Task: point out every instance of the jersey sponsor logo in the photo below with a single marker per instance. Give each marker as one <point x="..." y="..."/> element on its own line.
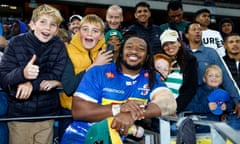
<point x="113" y="90"/>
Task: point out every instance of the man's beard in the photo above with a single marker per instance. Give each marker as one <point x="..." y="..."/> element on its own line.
<point x="130" y="67"/>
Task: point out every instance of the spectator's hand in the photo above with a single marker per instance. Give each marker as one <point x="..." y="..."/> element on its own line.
<point x="31" y="71"/>
<point x="212" y="105"/>
<point x="237" y="110"/>
<point x="24" y="90"/>
<point x="223" y="106"/>
<point x="122" y="122"/>
<point x="103" y="57"/>
<point x="47" y="85"/>
<point x="3" y="42"/>
<point x="173" y="66"/>
<point x="136" y="108"/>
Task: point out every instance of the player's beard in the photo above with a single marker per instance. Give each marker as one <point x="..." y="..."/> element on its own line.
<point x="131" y="67"/>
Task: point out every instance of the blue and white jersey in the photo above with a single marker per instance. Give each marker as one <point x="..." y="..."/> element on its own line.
<point x="104" y="85"/>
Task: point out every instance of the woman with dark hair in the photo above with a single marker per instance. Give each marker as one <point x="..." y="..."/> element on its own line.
<point x="183" y="78"/>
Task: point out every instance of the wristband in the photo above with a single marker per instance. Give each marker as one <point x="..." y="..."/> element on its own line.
<point x="116" y="108"/>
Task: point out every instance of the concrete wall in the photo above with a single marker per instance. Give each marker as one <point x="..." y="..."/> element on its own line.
<point x="161" y="5"/>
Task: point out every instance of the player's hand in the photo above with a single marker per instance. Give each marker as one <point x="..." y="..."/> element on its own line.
<point x="136" y="108"/>
<point x="122" y="122"/>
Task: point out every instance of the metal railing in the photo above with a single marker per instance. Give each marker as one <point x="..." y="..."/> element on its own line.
<point x="34" y="118"/>
<point x="220" y="132"/>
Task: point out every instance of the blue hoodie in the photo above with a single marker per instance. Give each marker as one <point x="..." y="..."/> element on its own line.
<point x="1" y="31"/>
<point x="23" y="27"/>
<point x="18" y="27"/>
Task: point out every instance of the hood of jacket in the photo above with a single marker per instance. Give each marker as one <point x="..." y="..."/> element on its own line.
<point x="23" y="27"/>
<point x="82" y="58"/>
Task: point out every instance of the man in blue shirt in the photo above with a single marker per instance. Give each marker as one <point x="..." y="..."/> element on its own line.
<point x="122" y="91"/>
<point x="1" y="30"/>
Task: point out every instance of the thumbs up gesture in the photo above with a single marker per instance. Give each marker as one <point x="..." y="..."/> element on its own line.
<point x="31" y="71"/>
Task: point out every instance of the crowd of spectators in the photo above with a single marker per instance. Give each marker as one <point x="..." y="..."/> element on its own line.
<point x="107" y="72"/>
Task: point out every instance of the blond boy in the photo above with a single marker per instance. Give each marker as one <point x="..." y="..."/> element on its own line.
<point x="31" y="69"/>
<point x="213" y="102"/>
<point x="86" y="49"/>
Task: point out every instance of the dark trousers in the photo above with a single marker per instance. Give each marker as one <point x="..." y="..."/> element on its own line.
<point x="3" y="125"/>
<point x="64" y="123"/>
